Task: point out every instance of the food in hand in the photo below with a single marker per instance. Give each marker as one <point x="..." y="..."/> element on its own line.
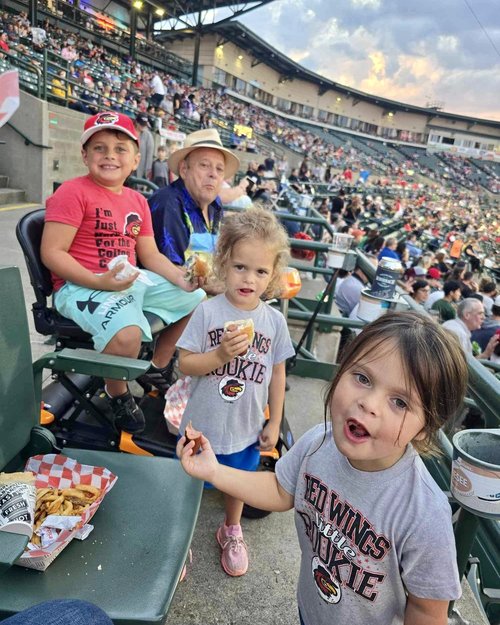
<point x="243" y="326"/>
<point x="192" y="435"/>
<point x="196" y="267"/>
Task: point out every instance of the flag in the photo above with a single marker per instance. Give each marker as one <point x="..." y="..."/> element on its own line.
<point x="9" y="95"/>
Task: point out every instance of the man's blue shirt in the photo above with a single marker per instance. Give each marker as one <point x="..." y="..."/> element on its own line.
<point x="176" y="216"/>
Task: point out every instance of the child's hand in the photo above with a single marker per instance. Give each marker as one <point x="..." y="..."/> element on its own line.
<point x="269" y="436"/>
<point x="181" y="281"/>
<point x="202" y="465"/>
<point x="234" y="343"/>
<point x="109" y="282"/>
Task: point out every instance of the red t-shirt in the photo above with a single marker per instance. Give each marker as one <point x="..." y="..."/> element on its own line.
<point x="108" y="223"/>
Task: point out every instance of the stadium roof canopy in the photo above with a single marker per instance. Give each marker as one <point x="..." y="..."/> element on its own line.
<point x="262" y="52"/>
<point x="187" y="14"/>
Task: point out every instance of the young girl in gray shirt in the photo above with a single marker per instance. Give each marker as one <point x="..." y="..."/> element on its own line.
<point x="374" y="529"/>
<point x="234" y="379"/>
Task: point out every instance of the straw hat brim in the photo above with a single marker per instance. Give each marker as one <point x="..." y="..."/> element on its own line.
<point x="232" y="161"/>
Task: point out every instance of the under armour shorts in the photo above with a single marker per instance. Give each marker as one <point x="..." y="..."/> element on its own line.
<point x="104" y="313"/>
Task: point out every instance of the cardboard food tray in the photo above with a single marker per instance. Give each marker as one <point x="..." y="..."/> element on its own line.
<point x="58" y="471"/>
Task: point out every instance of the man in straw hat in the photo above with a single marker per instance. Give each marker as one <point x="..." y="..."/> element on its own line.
<point x="186" y="214"/>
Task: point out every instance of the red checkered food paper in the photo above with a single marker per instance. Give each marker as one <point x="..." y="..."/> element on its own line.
<point x="58" y="471"/>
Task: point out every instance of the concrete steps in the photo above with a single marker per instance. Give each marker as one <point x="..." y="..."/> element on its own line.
<point x="10" y="196"/>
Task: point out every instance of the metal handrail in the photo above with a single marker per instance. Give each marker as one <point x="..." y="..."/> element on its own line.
<point x="27" y="140"/>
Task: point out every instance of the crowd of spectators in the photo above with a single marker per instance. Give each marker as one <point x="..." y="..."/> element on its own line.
<point x="462" y="295"/>
<point x="449" y="206"/>
<point x="92" y="77"/>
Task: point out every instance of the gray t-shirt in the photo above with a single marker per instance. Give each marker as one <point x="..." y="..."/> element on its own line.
<point x="365" y="537"/>
<point x="228" y="404"/>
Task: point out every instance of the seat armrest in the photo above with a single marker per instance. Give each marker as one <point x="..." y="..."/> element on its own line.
<point x="11" y="547"/>
<point x="88" y="362"/>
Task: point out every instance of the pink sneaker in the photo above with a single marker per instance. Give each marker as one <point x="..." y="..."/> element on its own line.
<point x="234" y="557"/>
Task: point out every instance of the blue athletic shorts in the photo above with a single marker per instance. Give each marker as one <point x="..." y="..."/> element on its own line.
<point x="247" y="459"/>
<point x="104" y="313"/>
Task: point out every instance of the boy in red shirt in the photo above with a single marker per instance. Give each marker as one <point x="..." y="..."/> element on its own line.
<point x="89" y="221"/>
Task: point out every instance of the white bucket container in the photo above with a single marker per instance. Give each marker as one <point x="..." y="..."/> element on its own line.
<point x="338" y="248"/>
<point x="475" y="471"/>
<point x="341" y="242"/>
<point x="371" y="308"/>
<point x="305" y="201"/>
<point x="335" y="260"/>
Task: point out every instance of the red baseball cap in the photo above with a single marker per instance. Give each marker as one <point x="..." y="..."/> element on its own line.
<point x="108" y="120"/>
<point x="434" y="273"/>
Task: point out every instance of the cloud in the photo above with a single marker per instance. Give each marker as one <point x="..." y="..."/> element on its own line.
<point x="447" y="42"/>
<point x="298" y="55"/>
<point x="378" y="62"/>
<point x="409" y="51"/>
<point x="375" y="4"/>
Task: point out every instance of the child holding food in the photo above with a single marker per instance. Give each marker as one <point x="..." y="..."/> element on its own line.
<point x="236" y="375"/>
<point x="374" y="528"/>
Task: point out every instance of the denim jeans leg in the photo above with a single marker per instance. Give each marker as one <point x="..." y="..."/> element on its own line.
<point x="60" y="612"/>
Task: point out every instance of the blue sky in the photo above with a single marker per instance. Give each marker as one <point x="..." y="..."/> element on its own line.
<point x="411" y="51"/>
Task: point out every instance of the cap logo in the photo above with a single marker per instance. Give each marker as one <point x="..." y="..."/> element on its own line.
<point x="106" y="118"/>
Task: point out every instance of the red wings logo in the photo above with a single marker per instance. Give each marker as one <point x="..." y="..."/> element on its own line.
<point x="328" y="587"/>
<point x="107" y="117"/>
<point x="133" y="225"/>
<point x="231" y="388"/>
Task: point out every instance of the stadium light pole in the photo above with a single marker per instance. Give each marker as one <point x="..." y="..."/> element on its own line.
<point x="32" y="12"/>
<point x="196" y="57"/>
<point x="133" y="31"/>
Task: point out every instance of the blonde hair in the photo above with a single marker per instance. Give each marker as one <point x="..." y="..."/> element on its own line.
<point x="249" y="225"/>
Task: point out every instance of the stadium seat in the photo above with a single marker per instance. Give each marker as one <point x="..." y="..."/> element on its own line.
<point x="81" y="416"/>
<point x="47" y="320"/>
<point x="131" y="563"/>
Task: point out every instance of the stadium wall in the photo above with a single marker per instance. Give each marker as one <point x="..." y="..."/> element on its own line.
<point x="35" y="169"/>
<point x="26" y="165"/>
<point x="235" y="67"/>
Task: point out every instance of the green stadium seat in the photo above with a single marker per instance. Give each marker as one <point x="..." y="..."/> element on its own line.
<point x="131" y="563"/>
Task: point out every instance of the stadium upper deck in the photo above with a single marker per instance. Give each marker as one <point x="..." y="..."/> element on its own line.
<point x="235" y="57"/>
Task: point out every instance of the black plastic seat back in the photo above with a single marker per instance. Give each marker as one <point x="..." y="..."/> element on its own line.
<point x="29" y="232"/>
<point x="48" y="321"/>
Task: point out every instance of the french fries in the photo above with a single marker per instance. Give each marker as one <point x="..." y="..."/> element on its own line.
<point x="65" y="502"/>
